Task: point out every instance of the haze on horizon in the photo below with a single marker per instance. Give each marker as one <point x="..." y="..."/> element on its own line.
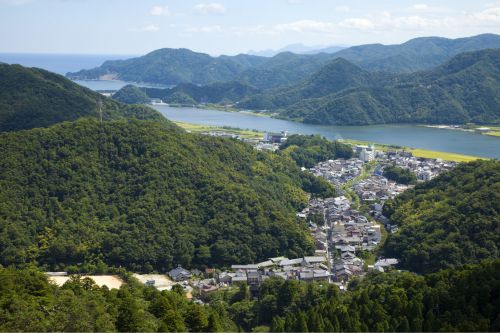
<point x="230" y="26"/>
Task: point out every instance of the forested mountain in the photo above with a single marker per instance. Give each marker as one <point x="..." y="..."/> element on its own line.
<point x="451" y="220"/>
<point x="172" y="67"/>
<point x="284" y="69"/>
<point x="131" y="94"/>
<point x="465" y="89"/>
<point x="187" y="93"/>
<point x="416" y="54"/>
<point x="176" y="66"/>
<point x="32" y="97"/>
<point x="463" y="299"/>
<point x="146" y="195"/>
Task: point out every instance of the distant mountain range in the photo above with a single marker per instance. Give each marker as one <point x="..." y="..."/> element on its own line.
<point x="176" y="66"/>
<point x="464" y="89"/>
<point x="416" y="54"/>
<point x="298" y="49"/>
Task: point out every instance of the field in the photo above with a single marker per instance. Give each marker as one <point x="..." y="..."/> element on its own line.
<point x="244" y="133"/>
<point x="493" y="133"/>
<point x="110" y="281"/>
<point x="253" y="134"/>
<point x="442" y="155"/>
<point x="420" y="152"/>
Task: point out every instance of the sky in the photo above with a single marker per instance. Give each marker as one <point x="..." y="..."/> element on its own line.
<point x="231" y="26"/>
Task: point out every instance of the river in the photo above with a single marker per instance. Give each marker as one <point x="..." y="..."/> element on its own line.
<point x="414" y="136"/>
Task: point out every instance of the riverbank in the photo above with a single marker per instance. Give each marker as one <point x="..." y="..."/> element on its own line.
<point x="418" y="152"/>
<point x="485" y="130"/>
<point x="254" y="134"/>
<point x="243" y="133"/>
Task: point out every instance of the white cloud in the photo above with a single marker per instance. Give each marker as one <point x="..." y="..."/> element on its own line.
<point x="421" y="6"/>
<point x="357" y="23"/>
<point x="488" y="15"/>
<point x="147" y="28"/>
<point x="343" y="9"/>
<point x="210" y="8"/>
<point x="205" y="29"/>
<point x="306" y="26"/>
<point x="160" y="11"/>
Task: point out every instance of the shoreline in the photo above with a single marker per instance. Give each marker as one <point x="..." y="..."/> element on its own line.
<point x="417" y="152"/>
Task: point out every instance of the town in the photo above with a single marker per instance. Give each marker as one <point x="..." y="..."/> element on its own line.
<point x="347" y="229"/>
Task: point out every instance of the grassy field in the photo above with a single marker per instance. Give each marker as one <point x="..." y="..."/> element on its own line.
<point x="196" y="128"/>
<point x="420" y="152"/>
<point x="493" y="133"/>
<point x="254" y="134"/>
<point x="442" y="155"/>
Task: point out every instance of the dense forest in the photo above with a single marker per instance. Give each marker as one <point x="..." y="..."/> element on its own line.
<point x="399" y="175"/>
<point x="462" y="90"/>
<point x="146" y="195"/>
<point x="189" y="94"/>
<point x="173" y="66"/>
<point x="451" y="220"/>
<point x="176" y="66"/>
<point x="416" y="54"/>
<point x="32" y="97"/>
<point x="462" y="299"/>
<point x="309" y="150"/>
<point x="131" y="94"/>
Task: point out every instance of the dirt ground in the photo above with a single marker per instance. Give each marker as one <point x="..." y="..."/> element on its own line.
<point x="162" y="282"/>
<point x="111" y="281"/>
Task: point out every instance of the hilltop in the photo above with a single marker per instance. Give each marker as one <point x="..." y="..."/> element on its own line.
<point x="449" y="221"/>
<point x="176" y="66"/>
<point x="416" y="54"/>
<point x="33" y="97"/>
<point x="462" y="90"/>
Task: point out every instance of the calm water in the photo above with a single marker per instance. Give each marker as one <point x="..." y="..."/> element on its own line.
<point x="405" y="135"/>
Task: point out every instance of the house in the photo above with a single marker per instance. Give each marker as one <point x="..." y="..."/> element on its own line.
<point x="179" y="274"/>
<point x="244" y="267"/>
<point x="275" y="137"/>
<point x="253" y="277"/>
<point x="385" y="264"/>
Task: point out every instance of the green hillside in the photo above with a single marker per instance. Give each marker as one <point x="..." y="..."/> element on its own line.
<point x="284" y="69"/>
<point x="172" y="67"/>
<point x="452" y="220"/>
<point x="131" y="94"/>
<point x="32" y="97"/>
<point x="460" y="91"/>
<point x="456" y="300"/>
<point x="188" y="93"/>
<point x="146" y="195"/>
<point x="416" y="54"/>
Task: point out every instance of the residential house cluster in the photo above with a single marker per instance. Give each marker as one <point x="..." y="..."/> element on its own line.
<point x="378" y="189"/>
<point x="338" y="171"/>
<point x="308" y="268"/>
<point x="424" y="168"/>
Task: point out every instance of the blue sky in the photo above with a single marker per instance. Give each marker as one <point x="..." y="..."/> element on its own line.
<point x="231" y="26"/>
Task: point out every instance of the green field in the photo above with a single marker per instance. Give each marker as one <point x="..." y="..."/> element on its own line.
<point x="493" y="133"/>
<point x="419" y="152"/>
<point x="197" y="128"/>
<point x="254" y="134"/>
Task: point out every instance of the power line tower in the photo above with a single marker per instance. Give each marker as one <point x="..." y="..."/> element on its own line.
<point x="100" y="109"/>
